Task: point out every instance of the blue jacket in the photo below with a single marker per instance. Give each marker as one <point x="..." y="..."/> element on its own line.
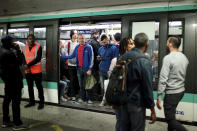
<point x="88" y="57"/>
<point x="107" y="53"/>
<point x="139" y="72"/>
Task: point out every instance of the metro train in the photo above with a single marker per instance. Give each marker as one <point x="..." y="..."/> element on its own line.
<point x="159" y="20"/>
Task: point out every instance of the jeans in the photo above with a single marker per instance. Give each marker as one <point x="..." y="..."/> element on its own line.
<point x="170" y="104"/>
<point x="81" y="74"/>
<point x="103" y="76"/>
<point x="133" y="117"/>
<point x="118" y="118"/>
<point x="63" y="84"/>
<point x="30" y="82"/>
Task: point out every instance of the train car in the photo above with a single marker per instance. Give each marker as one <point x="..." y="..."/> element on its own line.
<point x="157" y="18"/>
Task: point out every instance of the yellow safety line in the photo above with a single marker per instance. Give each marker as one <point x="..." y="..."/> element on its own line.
<point x="37" y="124"/>
<point x="57" y="127"/>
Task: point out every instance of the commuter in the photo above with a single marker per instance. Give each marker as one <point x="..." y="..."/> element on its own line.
<point x="172" y="82"/>
<point x="105" y="54"/>
<point x="139" y="74"/>
<point x="71" y="65"/>
<point x="93" y="41"/>
<point x="11" y="58"/>
<point x="84" y="61"/>
<point x="33" y="70"/>
<point x="125" y="45"/>
<point x="117" y="38"/>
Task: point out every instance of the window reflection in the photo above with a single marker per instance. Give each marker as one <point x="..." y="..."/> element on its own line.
<point x="40" y="32"/>
<point x="43" y="45"/>
<point x="1" y="33"/>
<point x="152" y="30"/>
<point x="176" y="29"/>
<point x="19" y="32"/>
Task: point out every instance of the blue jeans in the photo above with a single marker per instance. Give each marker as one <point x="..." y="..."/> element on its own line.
<point x="103" y="76"/>
<point x="133" y="117"/>
<point x="118" y="118"/>
<point x="81" y="74"/>
<point x="63" y="84"/>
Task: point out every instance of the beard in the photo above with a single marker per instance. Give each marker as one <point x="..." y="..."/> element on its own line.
<point x="167" y="50"/>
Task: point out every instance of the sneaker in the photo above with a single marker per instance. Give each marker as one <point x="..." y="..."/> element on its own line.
<point x="29" y="105"/>
<point x="40" y="106"/>
<point x="20" y="127"/>
<point x="73" y="98"/>
<point x="7" y="124"/>
<point x="63" y="99"/>
<point x="90" y="102"/>
<point x="80" y="100"/>
<point x="102" y="103"/>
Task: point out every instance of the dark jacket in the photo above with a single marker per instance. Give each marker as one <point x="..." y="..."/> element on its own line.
<point x="139" y="72"/>
<point x="95" y="45"/>
<point x="10" y="62"/>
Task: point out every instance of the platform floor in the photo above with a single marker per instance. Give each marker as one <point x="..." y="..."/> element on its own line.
<point x="54" y="118"/>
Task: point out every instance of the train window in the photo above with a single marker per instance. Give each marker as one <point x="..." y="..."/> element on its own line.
<point x="175" y="28"/>
<point x="40" y="34"/>
<point x="19" y="32"/>
<point x="151" y="28"/>
<point x="20" y="35"/>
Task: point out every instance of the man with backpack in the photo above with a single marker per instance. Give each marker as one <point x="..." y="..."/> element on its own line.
<point x="139" y="78"/>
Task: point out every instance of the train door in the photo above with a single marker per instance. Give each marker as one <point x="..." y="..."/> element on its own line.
<point x="183" y="25"/>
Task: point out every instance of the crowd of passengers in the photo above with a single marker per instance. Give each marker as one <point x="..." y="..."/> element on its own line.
<point x="85" y="65"/>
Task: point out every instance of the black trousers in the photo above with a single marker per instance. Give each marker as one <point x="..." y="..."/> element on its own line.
<point x="37" y="78"/>
<point x="73" y="88"/>
<point x="12" y="93"/>
<point x="170" y="104"/>
<point x="133" y="117"/>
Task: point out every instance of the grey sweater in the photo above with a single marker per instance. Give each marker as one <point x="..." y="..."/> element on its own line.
<point x="172" y="75"/>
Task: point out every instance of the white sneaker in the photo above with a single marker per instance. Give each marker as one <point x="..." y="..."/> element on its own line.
<point x="63" y="99"/>
<point x="80" y="100"/>
<point x="90" y="102"/>
<point x="73" y="98"/>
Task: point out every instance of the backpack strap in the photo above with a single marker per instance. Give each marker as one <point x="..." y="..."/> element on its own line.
<point x="125" y="66"/>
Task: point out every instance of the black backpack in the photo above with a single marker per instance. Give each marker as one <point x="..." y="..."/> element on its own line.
<point x="116" y="94"/>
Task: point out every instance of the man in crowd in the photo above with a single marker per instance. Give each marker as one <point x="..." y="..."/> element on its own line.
<point x="33" y="70"/>
<point x="172" y="82"/>
<point x="93" y="41"/>
<point x="84" y="55"/>
<point x="105" y="54"/>
<point x="139" y="74"/>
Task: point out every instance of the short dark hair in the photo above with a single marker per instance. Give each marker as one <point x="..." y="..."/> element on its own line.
<point x="117" y="37"/>
<point x="103" y="37"/>
<point x="175" y="41"/>
<point x="31" y="35"/>
<point x="140" y="40"/>
<point x="72" y="32"/>
<point x="94" y="31"/>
